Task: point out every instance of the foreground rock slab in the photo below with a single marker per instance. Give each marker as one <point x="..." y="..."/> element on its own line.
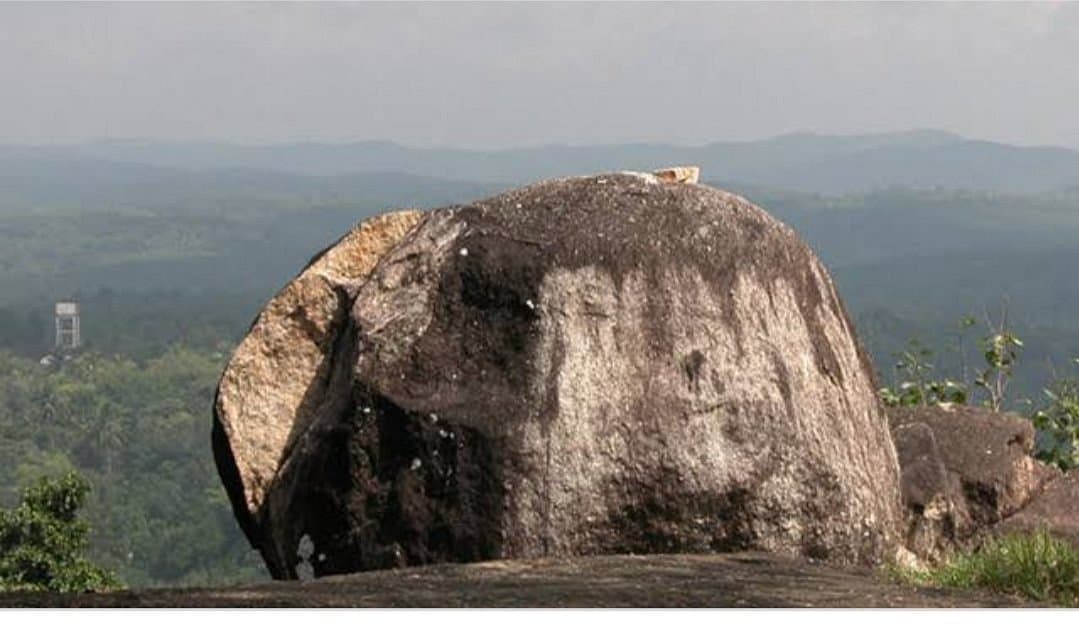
<point x="710" y="581"/>
<point x="593" y="365"/>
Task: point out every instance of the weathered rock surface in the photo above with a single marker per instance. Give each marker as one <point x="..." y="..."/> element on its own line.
<point x="963" y="469"/>
<point x="1055" y="509"/>
<point x="583" y="366"/>
<point x="743" y="580"/>
<point x="278" y="378"/>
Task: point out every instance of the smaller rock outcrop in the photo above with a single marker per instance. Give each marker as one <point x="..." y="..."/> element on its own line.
<point x="963" y="469"/>
<point x="1055" y="509"/>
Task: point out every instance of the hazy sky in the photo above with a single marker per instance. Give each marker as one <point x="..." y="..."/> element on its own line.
<point x="515" y="74"/>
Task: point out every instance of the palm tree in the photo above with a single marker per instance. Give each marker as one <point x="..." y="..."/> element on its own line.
<point x="109" y="433"/>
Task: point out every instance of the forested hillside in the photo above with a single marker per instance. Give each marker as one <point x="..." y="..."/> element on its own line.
<point x="137" y="430"/>
<point x="172" y="252"/>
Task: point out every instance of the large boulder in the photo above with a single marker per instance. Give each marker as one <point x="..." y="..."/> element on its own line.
<point x="963" y="469"/>
<point x="589" y="365"/>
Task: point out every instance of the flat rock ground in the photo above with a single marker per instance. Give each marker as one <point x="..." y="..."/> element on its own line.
<point x="723" y="580"/>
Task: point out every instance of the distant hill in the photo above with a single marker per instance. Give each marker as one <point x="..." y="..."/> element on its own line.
<point x="807" y="162"/>
<point x="41" y="179"/>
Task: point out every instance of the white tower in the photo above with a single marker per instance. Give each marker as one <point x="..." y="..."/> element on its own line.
<point x="67" y="326"/>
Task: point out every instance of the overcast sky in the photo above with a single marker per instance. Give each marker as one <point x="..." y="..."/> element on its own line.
<point x="524" y="74"/>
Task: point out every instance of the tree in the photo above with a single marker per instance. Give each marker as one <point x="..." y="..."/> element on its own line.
<point x="43" y="540"/>
<point x="1001" y="350"/>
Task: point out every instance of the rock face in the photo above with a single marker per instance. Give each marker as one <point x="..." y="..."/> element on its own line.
<point x="590" y="365"/>
<point x="964" y="469"/>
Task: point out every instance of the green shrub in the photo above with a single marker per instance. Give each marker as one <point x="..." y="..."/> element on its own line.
<point x="917" y="387"/>
<point x="1057" y="421"/>
<point x="42" y="540"/>
<point x="1036" y="566"/>
<point x="1059" y="424"/>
